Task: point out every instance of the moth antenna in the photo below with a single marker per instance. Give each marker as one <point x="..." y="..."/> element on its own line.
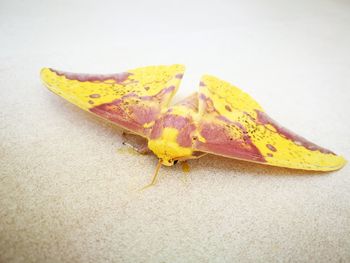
<point x="155" y="176"/>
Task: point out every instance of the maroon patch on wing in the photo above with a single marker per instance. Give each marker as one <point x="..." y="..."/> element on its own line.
<point x="143" y="113"/>
<point x="157" y="129"/>
<point x="184" y="125"/>
<point x="208" y="104"/>
<point x="116" y="112"/>
<point x="131" y="114"/>
<point x="118" y="77"/>
<point x="264" y="119"/>
<point x="174" y="121"/>
<point x="132" y="111"/>
<point x="185" y="135"/>
<point x="219" y="141"/>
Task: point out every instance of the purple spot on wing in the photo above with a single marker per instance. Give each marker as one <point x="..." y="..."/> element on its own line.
<point x="95" y="96"/>
<point x="271" y="147"/>
<point x="119" y="77"/>
<point x="202" y="96"/>
<point x="179" y="76"/>
<point x="201" y="84"/>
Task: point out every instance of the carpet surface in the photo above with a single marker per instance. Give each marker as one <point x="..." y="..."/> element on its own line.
<point x="69" y="188"/>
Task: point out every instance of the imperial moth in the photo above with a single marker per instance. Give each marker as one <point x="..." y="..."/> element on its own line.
<point x="218" y="119"/>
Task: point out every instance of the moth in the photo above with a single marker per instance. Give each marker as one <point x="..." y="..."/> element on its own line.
<point x="219" y="119"/>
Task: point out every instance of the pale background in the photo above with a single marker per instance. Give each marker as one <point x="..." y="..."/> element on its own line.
<point x="67" y="194"/>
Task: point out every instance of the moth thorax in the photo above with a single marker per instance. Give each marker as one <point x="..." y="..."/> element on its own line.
<point x="167" y="148"/>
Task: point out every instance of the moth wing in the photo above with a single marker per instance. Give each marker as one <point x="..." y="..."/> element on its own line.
<point x="232" y="124"/>
<point x="131" y="99"/>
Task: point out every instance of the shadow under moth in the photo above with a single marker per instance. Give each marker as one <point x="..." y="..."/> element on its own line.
<point x="219" y="119"/>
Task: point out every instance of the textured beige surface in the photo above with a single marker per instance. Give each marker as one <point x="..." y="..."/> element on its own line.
<point x="67" y="194"/>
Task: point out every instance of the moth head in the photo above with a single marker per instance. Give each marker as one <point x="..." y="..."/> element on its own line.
<point x="168" y="162"/>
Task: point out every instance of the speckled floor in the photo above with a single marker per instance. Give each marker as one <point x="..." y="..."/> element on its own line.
<point x="68" y="187"/>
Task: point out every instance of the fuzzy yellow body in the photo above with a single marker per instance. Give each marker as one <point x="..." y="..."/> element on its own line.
<point x="167" y="148"/>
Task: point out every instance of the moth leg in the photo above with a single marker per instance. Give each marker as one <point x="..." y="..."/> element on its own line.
<point x="185" y="167"/>
<point x="136" y="142"/>
<point x="155" y="176"/>
<point x="185" y="171"/>
<point x="197" y="155"/>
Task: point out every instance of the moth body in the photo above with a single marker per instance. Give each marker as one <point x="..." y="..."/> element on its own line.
<point x="173" y="133"/>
